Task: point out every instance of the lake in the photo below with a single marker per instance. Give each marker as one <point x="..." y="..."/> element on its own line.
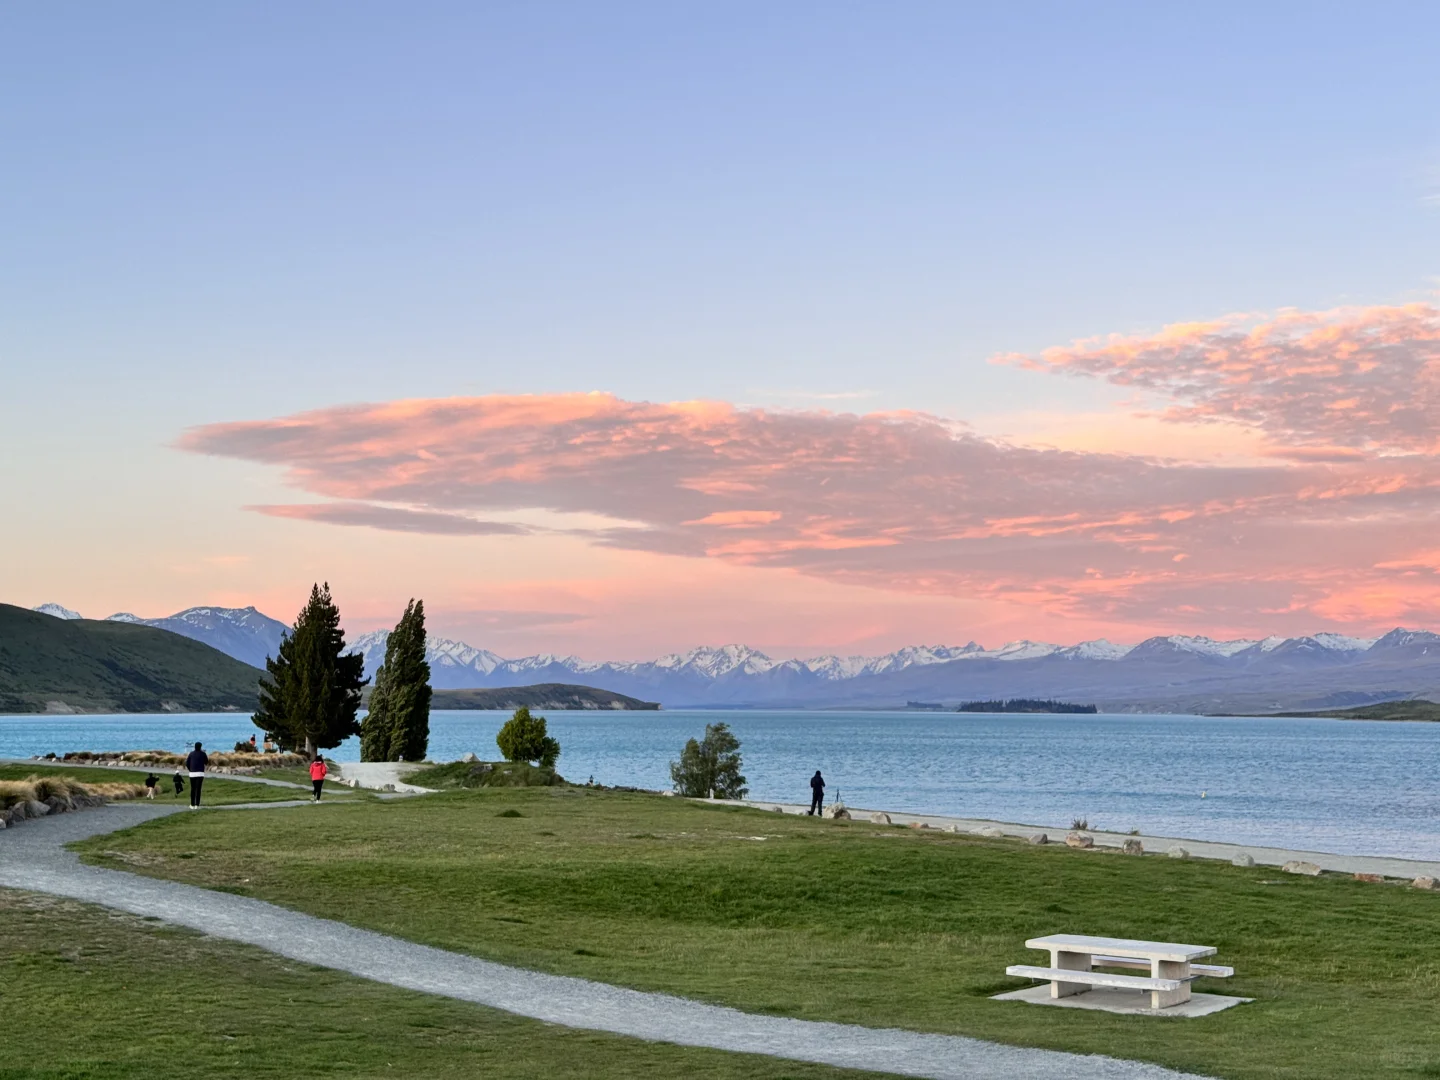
<point x="1344" y="786"/>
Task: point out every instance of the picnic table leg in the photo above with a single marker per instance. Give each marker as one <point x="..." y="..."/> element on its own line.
<point x="1170" y="969"/>
<point x="1070" y="961"/>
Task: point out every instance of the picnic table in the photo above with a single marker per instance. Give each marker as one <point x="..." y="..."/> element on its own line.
<point x="1074" y="957"/>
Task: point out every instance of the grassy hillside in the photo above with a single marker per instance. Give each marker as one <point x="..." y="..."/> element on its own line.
<point x="89" y="666"/>
<point x="554" y="696"/>
<point x="1417" y="709"/>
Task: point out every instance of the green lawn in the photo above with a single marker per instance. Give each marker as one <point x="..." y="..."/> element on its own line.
<point x="216" y="792"/>
<point x="90" y="994"/>
<point x="846" y="921"/>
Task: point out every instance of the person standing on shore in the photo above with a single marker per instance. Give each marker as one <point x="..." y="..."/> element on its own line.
<point x="195" y="763"/>
<point x="817" y="793"/>
<point x="318" y="772"/>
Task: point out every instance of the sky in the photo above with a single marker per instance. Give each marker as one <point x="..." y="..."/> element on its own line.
<point x="621" y="329"/>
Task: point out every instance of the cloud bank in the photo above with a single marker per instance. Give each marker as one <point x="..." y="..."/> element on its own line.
<point x="916" y="503"/>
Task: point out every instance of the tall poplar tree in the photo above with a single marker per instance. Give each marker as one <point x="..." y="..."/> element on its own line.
<point x="311" y="692"/>
<point x="397" y="727"/>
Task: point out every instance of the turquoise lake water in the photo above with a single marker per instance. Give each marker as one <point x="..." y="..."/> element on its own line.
<point x="1325" y="785"/>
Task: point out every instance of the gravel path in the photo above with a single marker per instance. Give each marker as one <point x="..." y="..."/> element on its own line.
<point x="32" y="857"/>
<point x="1199" y="849"/>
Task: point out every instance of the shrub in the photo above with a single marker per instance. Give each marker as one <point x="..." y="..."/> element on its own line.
<point x="710" y="768"/>
<point x="523" y="738"/>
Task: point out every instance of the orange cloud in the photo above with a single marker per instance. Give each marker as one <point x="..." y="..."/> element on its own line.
<point x="900" y="501"/>
<point x="1358" y="378"/>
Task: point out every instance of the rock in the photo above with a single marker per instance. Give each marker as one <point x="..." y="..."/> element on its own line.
<point x="1175" y="851"/>
<point x="880" y="818"/>
<point x="469" y="758"/>
<point x="669" y="793"/>
<point x="2" y="821"/>
<point x="990" y="831"/>
<point x="918" y="825"/>
<point x="1039" y="838"/>
<point x="36" y="809"/>
<point x="837" y="812"/>
<point x="1300" y="866"/>
<point x="1132" y="847"/>
<point x="777" y="809"/>
<point x="59" y="804"/>
<point x="1243" y="859"/>
<point x="1374" y="878"/>
<point x="1423" y="883"/>
<point x="1079" y="840"/>
<point x="952" y="828"/>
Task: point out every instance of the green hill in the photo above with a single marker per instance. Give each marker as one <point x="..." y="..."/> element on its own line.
<point x="553" y="696"/>
<point x="1416" y="709"/>
<point x="57" y="665"/>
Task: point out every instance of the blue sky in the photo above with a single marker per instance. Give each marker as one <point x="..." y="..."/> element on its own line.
<point x="222" y="212"/>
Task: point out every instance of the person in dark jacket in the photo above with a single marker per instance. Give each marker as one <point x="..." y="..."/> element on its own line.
<point x="179" y="781"/>
<point x="817" y="793"/>
<point x="150" y="782"/>
<point x="195" y="763"/>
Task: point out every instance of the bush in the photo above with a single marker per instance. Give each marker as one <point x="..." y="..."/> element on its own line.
<point x="478" y="774"/>
<point x="710" y="769"/>
<point x="523" y="738"/>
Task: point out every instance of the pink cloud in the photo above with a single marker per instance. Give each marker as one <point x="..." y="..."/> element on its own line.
<point x="1366" y="378"/>
<point x="901" y="502"/>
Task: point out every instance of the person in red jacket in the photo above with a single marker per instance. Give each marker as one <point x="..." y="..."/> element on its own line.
<point x="318" y="772"/>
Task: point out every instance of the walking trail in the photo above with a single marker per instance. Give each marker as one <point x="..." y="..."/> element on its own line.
<point x="33" y="856"/>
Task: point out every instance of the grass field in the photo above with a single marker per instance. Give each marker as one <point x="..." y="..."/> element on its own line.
<point x="90" y="994"/>
<point x="847" y="921"/>
<point x="216" y="792"/>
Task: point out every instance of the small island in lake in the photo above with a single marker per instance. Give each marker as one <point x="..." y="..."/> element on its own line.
<point x="1025" y="705"/>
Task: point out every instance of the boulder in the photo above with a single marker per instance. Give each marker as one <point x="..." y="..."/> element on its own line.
<point x="469" y="758"/>
<point x="953" y="828"/>
<point x="1079" y="840"/>
<point x="1423" y="883"/>
<point x="837" y="812"/>
<point x="880" y="818"/>
<point x="36" y="809"/>
<point x="990" y="831"/>
<point x="1373" y="878"/>
<point x="59" y="804"/>
<point x="2" y="821"/>
<point x="919" y="825"/>
<point x="1175" y="851"/>
<point x="1132" y="847"/>
<point x="1300" y="866"/>
<point x="1243" y="859"/>
<point x="777" y="809"/>
<point x="1039" y="838"/>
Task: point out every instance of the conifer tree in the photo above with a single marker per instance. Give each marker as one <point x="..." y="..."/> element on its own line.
<point x="523" y="738"/>
<point x="311" y="691"/>
<point x="397" y="727"/>
<point x="710" y="768"/>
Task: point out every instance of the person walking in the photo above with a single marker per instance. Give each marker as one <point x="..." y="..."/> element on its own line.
<point x="318" y="771"/>
<point x="179" y="781"/>
<point x="195" y="763"/>
<point x="150" y="782"/>
<point x="817" y="793"/>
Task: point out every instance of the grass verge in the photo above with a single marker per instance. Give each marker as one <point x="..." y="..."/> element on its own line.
<point x="477" y="774"/>
<point x="109" y="996"/>
<point x="845" y="921"/>
<point x="216" y="792"/>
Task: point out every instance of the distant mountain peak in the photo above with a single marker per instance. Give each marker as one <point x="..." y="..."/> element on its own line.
<point x="57" y="610"/>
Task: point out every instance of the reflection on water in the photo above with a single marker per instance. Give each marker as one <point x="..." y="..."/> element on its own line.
<point x="1325" y="785"/>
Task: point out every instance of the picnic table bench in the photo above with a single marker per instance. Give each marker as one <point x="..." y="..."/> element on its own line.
<point x="1073" y="958"/>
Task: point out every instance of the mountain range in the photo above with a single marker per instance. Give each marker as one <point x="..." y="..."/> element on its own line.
<point x="1173" y="673"/>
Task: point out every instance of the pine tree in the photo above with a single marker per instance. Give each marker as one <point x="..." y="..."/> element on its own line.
<point x="311" y="693"/>
<point x="397" y="727"/>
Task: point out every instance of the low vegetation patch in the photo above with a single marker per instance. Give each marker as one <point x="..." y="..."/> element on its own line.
<point x="836" y="920"/>
<point x="230" y="761"/>
<point x="37" y="796"/>
<point x="479" y="774"/>
<point x="218" y="791"/>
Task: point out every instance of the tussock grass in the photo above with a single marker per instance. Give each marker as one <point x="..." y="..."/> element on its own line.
<point x="164" y="759"/>
<point x="59" y="793"/>
<point x="218" y="789"/>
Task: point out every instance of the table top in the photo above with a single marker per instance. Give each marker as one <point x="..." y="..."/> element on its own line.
<point x="1127" y="947"/>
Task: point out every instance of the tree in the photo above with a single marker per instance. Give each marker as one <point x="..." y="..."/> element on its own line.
<point x="397" y="727"/>
<point x="710" y="769"/>
<point x="523" y="738"/>
<point x="311" y="691"/>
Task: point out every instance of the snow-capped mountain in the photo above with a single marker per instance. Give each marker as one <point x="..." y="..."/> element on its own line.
<point x="448" y="659"/>
<point x="58" y="611"/>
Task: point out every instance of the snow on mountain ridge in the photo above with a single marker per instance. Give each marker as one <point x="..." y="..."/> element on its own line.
<point x="59" y="611"/>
